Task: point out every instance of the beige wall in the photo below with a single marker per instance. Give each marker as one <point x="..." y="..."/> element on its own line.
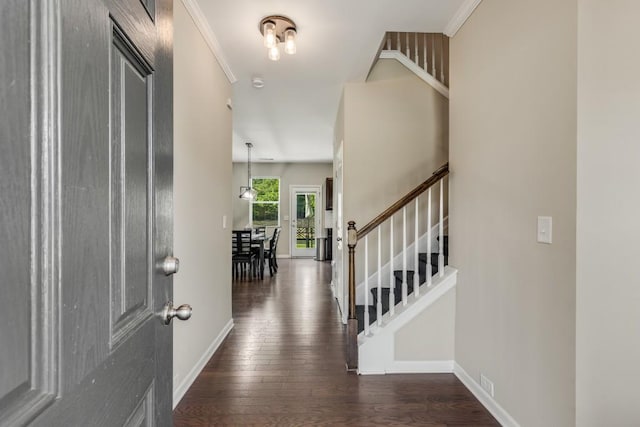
<point x="513" y="157"/>
<point x="395" y="130"/>
<point x="202" y="194"/>
<point x="608" y="291"/>
<point x="436" y="325"/>
<point x="289" y="174"/>
<point x="395" y="136"/>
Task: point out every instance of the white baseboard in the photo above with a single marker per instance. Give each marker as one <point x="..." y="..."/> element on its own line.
<point x="487" y="401"/>
<point x="187" y="381"/>
<point x="283" y="256"/>
<point x="420" y="367"/>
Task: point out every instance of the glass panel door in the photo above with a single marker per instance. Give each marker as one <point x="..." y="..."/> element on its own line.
<point x="304" y="222"/>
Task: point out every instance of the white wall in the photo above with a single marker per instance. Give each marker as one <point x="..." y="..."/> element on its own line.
<point x="608" y="289"/>
<point x="202" y="196"/>
<point x="513" y="157"/>
<point x="289" y="174"/>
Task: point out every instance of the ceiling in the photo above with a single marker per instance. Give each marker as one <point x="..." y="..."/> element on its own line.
<point x="291" y="118"/>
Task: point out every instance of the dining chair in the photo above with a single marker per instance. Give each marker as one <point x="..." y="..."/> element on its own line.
<point x="243" y="258"/>
<point x="270" y="253"/>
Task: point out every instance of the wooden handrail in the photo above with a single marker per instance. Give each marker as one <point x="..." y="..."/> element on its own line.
<point x="437" y="176"/>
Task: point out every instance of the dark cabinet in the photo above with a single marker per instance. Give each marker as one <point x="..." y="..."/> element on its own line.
<point x="328" y="194"/>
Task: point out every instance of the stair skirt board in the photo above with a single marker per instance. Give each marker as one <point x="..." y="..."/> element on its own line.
<point x="504" y="418"/>
<point x="417" y="70"/>
<point x="376" y="350"/>
<point x="397" y="260"/>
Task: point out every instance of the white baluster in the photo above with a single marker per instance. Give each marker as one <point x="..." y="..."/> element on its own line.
<point x="441" y="231"/>
<point x="392" y="282"/>
<point x="416" y="256"/>
<point x="379" y="305"/>
<point x="405" y="287"/>
<point x="429" y="237"/>
<point x="366" y="285"/>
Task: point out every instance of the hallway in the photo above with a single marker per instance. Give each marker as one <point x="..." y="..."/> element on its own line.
<point x="283" y="364"/>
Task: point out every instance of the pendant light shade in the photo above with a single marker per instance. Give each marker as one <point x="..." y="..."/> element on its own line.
<point x="246" y="192"/>
<point x="274" y="53"/>
<point x="290" y="41"/>
<point x="269" y="32"/>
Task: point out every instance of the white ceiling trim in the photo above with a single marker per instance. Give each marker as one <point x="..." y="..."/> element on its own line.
<point x="209" y="37"/>
<point x="417" y="70"/>
<point x="461" y="17"/>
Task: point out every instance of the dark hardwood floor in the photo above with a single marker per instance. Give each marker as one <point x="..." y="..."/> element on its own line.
<point x="283" y="365"/>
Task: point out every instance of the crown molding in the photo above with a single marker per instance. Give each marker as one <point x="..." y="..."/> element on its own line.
<point x="460" y="17"/>
<point x="209" y="37"/>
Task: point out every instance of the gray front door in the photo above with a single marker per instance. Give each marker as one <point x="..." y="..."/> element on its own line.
<point x="85" y="212"/>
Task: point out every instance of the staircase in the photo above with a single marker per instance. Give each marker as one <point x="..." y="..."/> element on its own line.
<point x="392" y="299"/>
<point x="415" y="278"/>
<point x="399" y="276"/>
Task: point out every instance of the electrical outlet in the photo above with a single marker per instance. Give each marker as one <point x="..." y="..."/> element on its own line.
<point x="487" y="385"/>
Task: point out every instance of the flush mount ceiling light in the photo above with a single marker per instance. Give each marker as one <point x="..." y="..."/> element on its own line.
<point x="275" y="30"/>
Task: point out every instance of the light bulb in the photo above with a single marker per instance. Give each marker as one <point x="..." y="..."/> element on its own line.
<point x="274" y="53"/>
<point x="269" y="31"/>
<point x="290" y="41"/>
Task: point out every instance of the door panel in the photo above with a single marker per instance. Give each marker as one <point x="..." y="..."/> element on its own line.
<point x="131" y="292"/>
<point x="85" y="212"/>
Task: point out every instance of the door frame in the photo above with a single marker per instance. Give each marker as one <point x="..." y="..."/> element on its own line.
<point x="293" y="189"/>
<point x="340" y="291"/>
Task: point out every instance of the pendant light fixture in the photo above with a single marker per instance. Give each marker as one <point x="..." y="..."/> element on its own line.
<point x="277" y="30"/>
<point x="248" y="193"/>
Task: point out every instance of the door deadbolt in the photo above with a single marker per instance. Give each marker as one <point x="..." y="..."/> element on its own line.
<point x="170" y="265"/>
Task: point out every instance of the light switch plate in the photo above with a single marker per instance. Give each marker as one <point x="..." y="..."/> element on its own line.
<point x="545" y="228"/>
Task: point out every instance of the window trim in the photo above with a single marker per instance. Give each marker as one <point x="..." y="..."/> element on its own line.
<point x="279" y="202"/>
